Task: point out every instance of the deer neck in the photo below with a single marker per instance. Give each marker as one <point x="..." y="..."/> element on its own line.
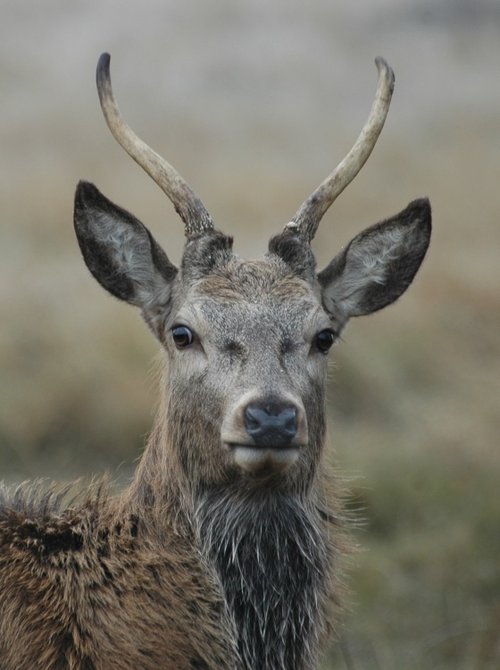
<point x="159" y="490"/>
<point x="268" y="545"/>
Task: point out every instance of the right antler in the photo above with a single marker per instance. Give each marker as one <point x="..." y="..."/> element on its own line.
<point x="189" y="207"/>
<point x="310" y="213"/>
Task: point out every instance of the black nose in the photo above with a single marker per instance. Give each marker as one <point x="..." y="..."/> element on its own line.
<point x="271" y="424"/>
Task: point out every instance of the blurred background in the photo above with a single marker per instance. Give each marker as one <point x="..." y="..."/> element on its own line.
<point x="255" y="102"/>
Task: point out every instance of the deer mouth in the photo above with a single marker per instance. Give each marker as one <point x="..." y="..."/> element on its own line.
<point x="254" y="458"/>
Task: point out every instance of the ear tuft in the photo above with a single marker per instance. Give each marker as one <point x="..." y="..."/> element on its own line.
<point x="295" y="251"/>
<point x="204" y="253"/>
<point x="379" y="264"/>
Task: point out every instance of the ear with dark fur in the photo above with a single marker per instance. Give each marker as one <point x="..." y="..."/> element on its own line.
<point x="121" y="253"/>
<point x="378" y="265"/>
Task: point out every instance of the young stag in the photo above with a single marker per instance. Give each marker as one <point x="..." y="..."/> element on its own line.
<point x="223" y="551"/>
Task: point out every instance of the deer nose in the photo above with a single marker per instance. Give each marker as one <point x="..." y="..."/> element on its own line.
<point x="271" y="424"/>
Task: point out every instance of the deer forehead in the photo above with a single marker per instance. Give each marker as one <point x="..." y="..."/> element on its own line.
<point x="246" y="299"/>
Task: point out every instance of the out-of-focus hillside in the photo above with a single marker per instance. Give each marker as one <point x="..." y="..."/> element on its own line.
<point x="255" y="102"/>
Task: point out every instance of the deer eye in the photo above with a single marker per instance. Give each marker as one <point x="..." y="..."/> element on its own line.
<point x="324" y="340"/>
<point x="182" y="336"/>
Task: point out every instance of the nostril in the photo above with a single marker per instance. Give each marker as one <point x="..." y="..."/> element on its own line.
<point x="254" y="418"/>
<point x="267" y="426"/>
<point x="289" y="420"/>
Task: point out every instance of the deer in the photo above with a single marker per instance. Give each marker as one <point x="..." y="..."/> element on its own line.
<point x="224" y="550"/>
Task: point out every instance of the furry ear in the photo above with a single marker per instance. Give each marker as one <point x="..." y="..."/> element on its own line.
<point x="378" y="265"/>
<point x="121" y="253"/>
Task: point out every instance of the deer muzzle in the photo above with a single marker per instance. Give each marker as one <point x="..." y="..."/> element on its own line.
<point x="265" y="432"/>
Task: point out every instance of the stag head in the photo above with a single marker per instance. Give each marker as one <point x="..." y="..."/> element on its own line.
<point x="246" y="342"/>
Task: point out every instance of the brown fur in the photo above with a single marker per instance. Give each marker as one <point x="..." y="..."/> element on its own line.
<point x="98" y="587"/>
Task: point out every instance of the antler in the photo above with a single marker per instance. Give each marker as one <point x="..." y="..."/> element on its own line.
<point x="310" y="213"/>
<point x="189" y="207"/>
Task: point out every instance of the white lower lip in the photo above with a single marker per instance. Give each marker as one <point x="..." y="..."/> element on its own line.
<point x="252" y="458"/>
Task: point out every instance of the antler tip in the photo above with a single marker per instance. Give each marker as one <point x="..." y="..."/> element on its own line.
<point x="102" y="71"/>
<point x="104" y="59"/>
<point x="385" y="70"/>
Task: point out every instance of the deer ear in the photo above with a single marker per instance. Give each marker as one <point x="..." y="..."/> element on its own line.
<point x="378" y="265"/>
<point x="120" y="251"/>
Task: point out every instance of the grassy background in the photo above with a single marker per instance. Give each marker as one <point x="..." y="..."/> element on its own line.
<point x="255" y="102"/>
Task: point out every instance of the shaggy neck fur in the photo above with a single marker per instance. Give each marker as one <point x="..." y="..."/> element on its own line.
<point x="272" y="559"/>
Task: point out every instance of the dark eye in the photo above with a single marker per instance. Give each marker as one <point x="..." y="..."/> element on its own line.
<point x="324" y="340"/>
<point x="182" y="336"/>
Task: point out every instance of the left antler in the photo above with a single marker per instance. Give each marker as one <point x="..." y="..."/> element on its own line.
<point x="310" y="213"/>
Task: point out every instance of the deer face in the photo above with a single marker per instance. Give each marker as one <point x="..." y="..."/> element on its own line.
<point x="246" y="341"/>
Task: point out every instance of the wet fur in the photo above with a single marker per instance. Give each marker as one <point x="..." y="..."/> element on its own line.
<point x="273" y="554"/>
